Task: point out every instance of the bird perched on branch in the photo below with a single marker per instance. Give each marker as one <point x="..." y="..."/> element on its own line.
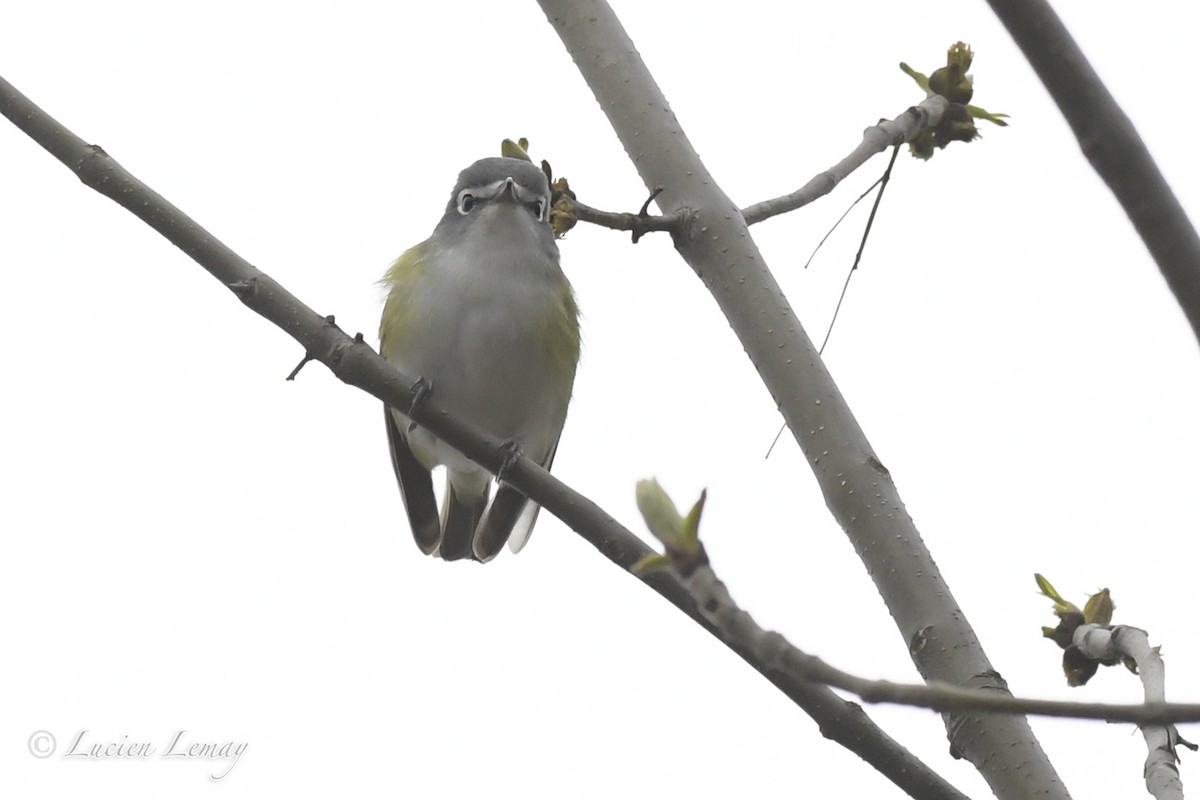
<point x="482" y="312"/>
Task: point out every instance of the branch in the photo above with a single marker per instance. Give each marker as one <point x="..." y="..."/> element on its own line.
<point x="686" y="558"/>
<point x="1121" y="642"/>
<point x="640" y="223"/>
<point x="1112" y="145"/>
<point x="876" y="139"/>
<point x="859" y="491"/>
<point x="352" y="361"/>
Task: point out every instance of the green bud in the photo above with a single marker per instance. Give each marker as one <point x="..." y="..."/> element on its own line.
<point x="680" y="536"/>
<point x="518" y="149"/>
<point x="1099" y="608"/>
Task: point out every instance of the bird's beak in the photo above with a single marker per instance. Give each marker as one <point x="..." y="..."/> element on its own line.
<point x="509" y="191"/>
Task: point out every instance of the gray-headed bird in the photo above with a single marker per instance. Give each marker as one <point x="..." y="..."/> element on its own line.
<point x="482" y="311"/>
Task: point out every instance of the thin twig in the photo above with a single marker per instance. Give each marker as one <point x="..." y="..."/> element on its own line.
<point x="717" y="605"/>
<point x="840" y="220"/>
<point x="639" y="224"/>
<point x="882" y="184"/>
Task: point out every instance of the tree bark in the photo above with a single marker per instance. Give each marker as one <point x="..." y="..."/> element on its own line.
<point x="859" y="491"/>
<point x="1111" y="144"/>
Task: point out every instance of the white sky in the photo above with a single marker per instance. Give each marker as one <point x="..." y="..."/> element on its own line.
<point x="190" y="543"/>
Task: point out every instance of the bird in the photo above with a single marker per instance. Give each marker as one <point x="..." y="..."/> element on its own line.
<point x="483" y="316"/>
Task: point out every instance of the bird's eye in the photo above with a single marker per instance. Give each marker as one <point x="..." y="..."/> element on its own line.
<point x="541" y="209"/>
<point x="466" y="201"/>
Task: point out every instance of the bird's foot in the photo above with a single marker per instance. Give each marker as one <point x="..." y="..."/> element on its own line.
<point x="420" y="391"/>
<point x="511" y="452"/>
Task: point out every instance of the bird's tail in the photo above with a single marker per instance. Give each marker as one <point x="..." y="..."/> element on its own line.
<point x="497" y="524"/>
<point x="460" y="518"/>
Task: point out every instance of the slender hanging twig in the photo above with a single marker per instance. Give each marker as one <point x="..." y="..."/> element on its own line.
<point x="882" y="184"/>
<point x="845" y="214"/>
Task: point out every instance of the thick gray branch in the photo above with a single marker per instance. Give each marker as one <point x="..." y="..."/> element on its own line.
<point x="355" y="363"/>
<point x="718" y="246"/>
<point x="1112" y="145"/>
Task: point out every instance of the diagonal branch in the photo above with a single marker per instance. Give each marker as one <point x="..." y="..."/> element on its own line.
<point x="688" y="560"/>
<point x="352" y="361"/>
<point x="1112" y="145"/>
<point x="876" y="139"/>
<point x="859" y="491"/>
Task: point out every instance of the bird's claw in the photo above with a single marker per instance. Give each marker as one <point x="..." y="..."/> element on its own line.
<point x="511" y="452"/>
<point x="420" y="391"/>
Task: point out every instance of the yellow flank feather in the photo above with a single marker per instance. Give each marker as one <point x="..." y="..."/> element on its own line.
<point x="398" y="308"/>
<point x="560" y="331"/>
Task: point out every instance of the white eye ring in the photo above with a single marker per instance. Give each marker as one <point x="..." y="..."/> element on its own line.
<point x="541" y="209"/>
<point x="466" y="201"/>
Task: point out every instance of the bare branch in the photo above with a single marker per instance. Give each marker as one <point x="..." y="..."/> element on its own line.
<point x="717" y="245"/>
<point x="774" y="651"/>
<point x="876" y="139"/>
<point x="1112" y="145"/>
<point x="354" y="362"/>
<point x="640" y="223"/>
<point x="1120" y="642"/>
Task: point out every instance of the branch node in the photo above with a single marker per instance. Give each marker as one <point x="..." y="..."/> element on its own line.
<point x="874" y="463"/>
<point x="86" y="167"/>
<point x="336" y="353"/>
<point x="244" y="289"/>
<point x="644" y="214"/>
<point x="638" y="224"/>
<point x="644" y="211"/>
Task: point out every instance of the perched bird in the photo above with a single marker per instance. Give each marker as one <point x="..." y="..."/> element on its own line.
<point x="483" y="313"/>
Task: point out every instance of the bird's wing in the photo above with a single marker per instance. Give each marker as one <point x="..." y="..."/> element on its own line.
<point x="416" y="488"/>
